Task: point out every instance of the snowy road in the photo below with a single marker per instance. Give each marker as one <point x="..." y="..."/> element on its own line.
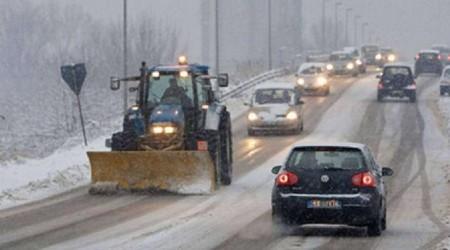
<point x="404" y="136"/>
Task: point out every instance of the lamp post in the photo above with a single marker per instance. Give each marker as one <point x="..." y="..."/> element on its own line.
<point x="347" y="14"/>
<point x="324" y="2"/>
<point x="269" y="32"/>
<point x="355" y="39"/>
<point x="363" y="32"/>
<point x="217" y="38"/>
<point x="336" y="26"/>
<point x="125" y="57"/>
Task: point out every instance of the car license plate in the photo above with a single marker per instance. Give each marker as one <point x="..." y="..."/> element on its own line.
<point x="332" y="204"/>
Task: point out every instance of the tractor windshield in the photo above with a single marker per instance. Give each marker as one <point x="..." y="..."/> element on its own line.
<point x="171" y="89"/>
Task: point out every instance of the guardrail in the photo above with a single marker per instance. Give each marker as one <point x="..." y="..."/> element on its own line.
<point x="243" y="86"/>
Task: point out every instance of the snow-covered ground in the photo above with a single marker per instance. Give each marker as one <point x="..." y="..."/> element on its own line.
<point x="30" y="180"/>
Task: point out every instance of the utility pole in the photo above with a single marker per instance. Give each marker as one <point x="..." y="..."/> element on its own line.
<point x="336" y="26"/>
<point x="125" y="59"/>
<point x="347" y="14"/>
<point x="269" y="32"/>
<point x="217" y="39"/>
<point x="363" y="32"/>
<point x="355" y="39"/>
<point x="324" y="2"/>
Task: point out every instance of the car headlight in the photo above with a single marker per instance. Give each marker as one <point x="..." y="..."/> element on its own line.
<point x="322" y="81"/>
<point x="330" y="67"/>
<point x="301" y="81"/>
<point x="350" y="66"/>
<point x="292" y="115"/>
<point x="252" y="116"/>
<point x="378" y="57"/>
<point x="391" y="58"/>
<point x="358" y="62"/>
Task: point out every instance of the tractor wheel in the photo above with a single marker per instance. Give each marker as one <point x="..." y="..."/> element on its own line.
<point x="226" y="147"/>
<point x="124" y="141"/>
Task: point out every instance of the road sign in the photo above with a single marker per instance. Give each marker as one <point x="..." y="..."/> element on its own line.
<point x="74" y="75"/>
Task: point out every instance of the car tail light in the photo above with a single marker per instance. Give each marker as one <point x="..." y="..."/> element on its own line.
<point x="448" y="58"/>
<point x="417" y="57"/>
<point x="364" y="179"/>
<point x="286" y="179"/>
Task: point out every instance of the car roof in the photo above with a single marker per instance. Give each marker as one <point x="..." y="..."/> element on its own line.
<point x="359" y="146"/>
<point x="429" y="51"/>
<point x="276" y="85"/>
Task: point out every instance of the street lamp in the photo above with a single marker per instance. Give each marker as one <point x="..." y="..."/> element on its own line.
<point x="355" y="39"/>
<point x="217" y="38"/>
<point x="347" y="14"/>
<point x="336" y="26"/>
<point x="269" y="32"/>
<point x="125" y="59"/>
<point x="363" y="31"/>
<point x="323" y="23"/>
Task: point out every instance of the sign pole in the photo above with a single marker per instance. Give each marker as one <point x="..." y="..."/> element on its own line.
<point x="82" y="120"/>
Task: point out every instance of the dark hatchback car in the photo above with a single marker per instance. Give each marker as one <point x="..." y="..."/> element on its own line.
<point x="397" y="80"/>
<point x="330" y="184"/>
<point x="428" y="61"/>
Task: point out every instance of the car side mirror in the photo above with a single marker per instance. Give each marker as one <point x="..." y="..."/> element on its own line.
<point x="378" y="76"/>
<point x="222" y="80"/>
<point x="114" y="83"/>
<point x="387" y="171"/>
<point x="276" y="169"/>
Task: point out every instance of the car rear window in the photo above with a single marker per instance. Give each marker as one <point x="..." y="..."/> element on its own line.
<point x="390" y="72"/>
<point x="428" y="56"/>
<point x="325" y="158"/>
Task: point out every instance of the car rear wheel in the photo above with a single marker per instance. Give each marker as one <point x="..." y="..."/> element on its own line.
<point x="384" y="220"/>
<point x="279" y="225"/>
<point x="380" y="97"/>
<point x="375" y="228"/>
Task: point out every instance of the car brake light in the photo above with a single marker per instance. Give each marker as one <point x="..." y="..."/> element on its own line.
<point x="286" y="179"/>
<point x="417" y="57"/>
<point x="448" y="58"/>
<point x="365" y="179"/>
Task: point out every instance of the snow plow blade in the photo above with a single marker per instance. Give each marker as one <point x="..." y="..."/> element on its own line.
<point x="185" y="172"/>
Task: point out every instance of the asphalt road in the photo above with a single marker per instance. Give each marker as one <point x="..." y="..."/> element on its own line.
<point x="394" y="130"/>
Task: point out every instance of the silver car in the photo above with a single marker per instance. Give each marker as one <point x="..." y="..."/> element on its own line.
<point x="312" y="78"/>
<point x="275" y="107"/>
<point x="342" y="63"/>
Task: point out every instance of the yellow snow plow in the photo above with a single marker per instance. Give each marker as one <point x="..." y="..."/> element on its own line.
<point x="186" y="172"/>
<point x="176" y="138"/>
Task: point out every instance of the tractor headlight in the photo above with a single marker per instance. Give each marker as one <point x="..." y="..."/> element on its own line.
<point x="330" y="67"/>
<point x="350" y="66"/>
<point x="322" y="81"/>
<point x="252" y="116"/>
<point x="292" y="115"/>
<point x="358" y="62"/>
<point x="378" y="57"/>
<point x="301" y="81"/>
<point x="391" y="58"/>
<point x="163" y="129"/>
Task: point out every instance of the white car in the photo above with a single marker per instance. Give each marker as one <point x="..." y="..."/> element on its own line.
<point x="313" y="78"/>
<point x="444" y="82"/>
<point x="275" y="107"/>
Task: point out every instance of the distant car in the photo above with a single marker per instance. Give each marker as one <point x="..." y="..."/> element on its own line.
<point x="330" y="184"/>
<point x="388" y="55"/>
<point x="370" y="53"/>
<point x="444" y="52"/>
<point x="312" y="78"/>
<point x="342" y="63"/>
<point x="275" y="107"/>
<point x="428" y="61"/>
<point x="359" y="61"/>
<point x="444" y="82"/>
<point x="397" y="80"/>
